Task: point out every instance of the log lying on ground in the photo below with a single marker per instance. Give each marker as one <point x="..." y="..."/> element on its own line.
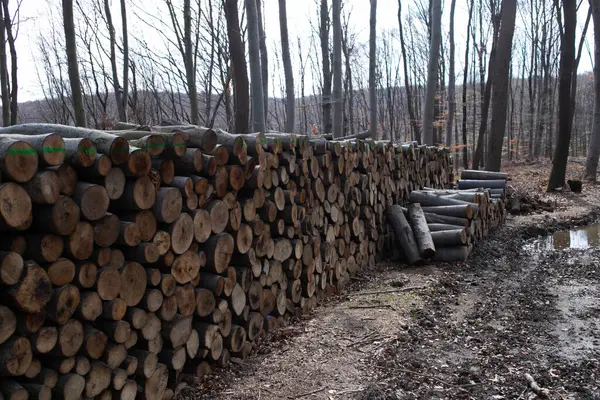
<point x="404" y="234"/>
<point x="472" y="184"/>
<point x="421" y="230"/>
<point x="452" y="254"/>
<point x="482" y="175"/>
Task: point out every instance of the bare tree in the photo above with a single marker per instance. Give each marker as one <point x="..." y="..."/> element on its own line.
<point x="71" y="46"/>
<point x="326" y="92"/>
<point x="432" y="70"/>
<point x="237" y="54"/>
<point x="465" y="149"/>
<point x="264" y="58"/>
<point x="258" y="116"/>
<point x="409" y="100"/>
<point x="290" y="96"/>
<point x="373" y="69"/>
<point x="500" y="89"/>
<point x="337" y="68"/>
<point x="567" y="60"/>
<point x="113" y="63"/>
<point x="451" y="80"/>
<point x="591" y="166"/>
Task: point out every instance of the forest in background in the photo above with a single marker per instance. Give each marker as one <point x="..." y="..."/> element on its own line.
<point x="500" y="96"/>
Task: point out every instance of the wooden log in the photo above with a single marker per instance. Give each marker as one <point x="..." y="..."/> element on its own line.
<point x="100" y="168"/>
<point x="11" y="267"/>
<point x="204" y="301"/>
<point x="444" y="219"/>
<point x="70" y="339"/>
<point x="92" y="199"/>
<point x="69" y="387"/>
<point x="106" y="230"/>
<point x="43" y="187"/>
<point x="63" y="304"/>
<point x="452" y="254"/>
<point x="90" y="306"/>
<point x="15" y="206"/>
<point x="133" y="283"/>
<point x="195" y="136"/>
<point x="60" y="218"/>
<point x="79" y="152"/>
<point x="168" y="204"/>
<point x="404" y="234"/>
<point x="202" y="225"/>
<point x="98" y="379"/>
<point x="8" y="323"/>
<point x="145" y="221"/>
<point x="152" y="300"/>
<point x="67" y="177"/>
<point x="146" y="362"/>
<point x="458" y="211"/>
<point x="95" y="342"/>
<point x="182" y="233"/>
<point x="450" y="238"/>
<point x="43" y="248"/>
<point x="433" y="227"/>
<point x="138" y="195"/>
<point x="32" y="292"/>
<point x="108" y="283"/>
<point x="129" y="234"/>
<point x="421" y="230"/>
<point x="219" y="249"/>
<point x="489" y="183"/>
<point x="80" y="244"/>
<point x="154" y="387"/>
<point x="482" y="175"/>
<point x="114" y="309"/>
<point x="19" y="160"/>
<point x="12" y="390"/>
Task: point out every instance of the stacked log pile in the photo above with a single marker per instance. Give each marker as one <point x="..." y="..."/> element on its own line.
<point x="134" y="262"/>
<point x="443" y="225"/>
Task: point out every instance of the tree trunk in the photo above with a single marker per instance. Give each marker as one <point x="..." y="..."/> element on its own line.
<point x="567" y="58"/>
<point x="591" y="166"/>
<point x="465" y="150"/>
<point x="290" y="96"/>
<point x="500" y="90"/>
<point x="432" y="71"/>
<point x="258" y="115"/>
<point x="125" y="95"/>
<point x="326" y="95"/>
<point x="373" y="69"/>
<point x="237" y="53"/>
<point x="113" y="62"/>
<point x="4" y="73"/>
<point x="264" y="61"/>
<point x="451" y="80"/>
<point x="411" y="112"/>
<point x="71" y="46"/>
<point x="337" y="69"/>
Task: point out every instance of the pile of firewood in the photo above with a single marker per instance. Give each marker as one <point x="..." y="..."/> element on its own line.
<point x="443" y="225"/>
<point x="134" y="262"/>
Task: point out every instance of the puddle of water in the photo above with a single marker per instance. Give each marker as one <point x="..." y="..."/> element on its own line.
<point x="580" y="238"/>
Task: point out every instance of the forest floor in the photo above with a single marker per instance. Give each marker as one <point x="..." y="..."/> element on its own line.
<point x="468" y="330"/>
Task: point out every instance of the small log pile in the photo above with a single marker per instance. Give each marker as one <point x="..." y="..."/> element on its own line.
<point x="133" y="262"/>
<point x="443" y="225"/>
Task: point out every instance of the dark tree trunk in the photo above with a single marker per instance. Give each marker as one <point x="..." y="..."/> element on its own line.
<point x="414" y="123"/>
<point x="591" y="166"/>
<point x="465" y="150"/>
<point x="258" y="115"/>
<point x="500" y="91"/>
<point x="237" y="53"/>
<point x="567" y="59"/>
<point x="337" y="68"/>
<point x="326" y="96"/>
<point x="264" y="60"/>
<point x="71" y="47"/>
<point x="290" y="96"/>
<point x="373" y="69"/>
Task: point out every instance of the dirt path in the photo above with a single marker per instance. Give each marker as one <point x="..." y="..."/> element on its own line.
<point x="471" y="330"/>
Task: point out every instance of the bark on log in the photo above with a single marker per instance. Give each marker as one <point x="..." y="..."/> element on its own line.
<point x="482" y="175"/>
<point x="421" y="230"/>
<point x="404" y="234"/>
<point x="452" y="254"/>
<point x="450" y="238"/>
<point x="490" y="183"/>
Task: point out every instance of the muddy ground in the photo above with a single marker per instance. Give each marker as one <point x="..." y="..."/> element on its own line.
<point x="469" y="330"/>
